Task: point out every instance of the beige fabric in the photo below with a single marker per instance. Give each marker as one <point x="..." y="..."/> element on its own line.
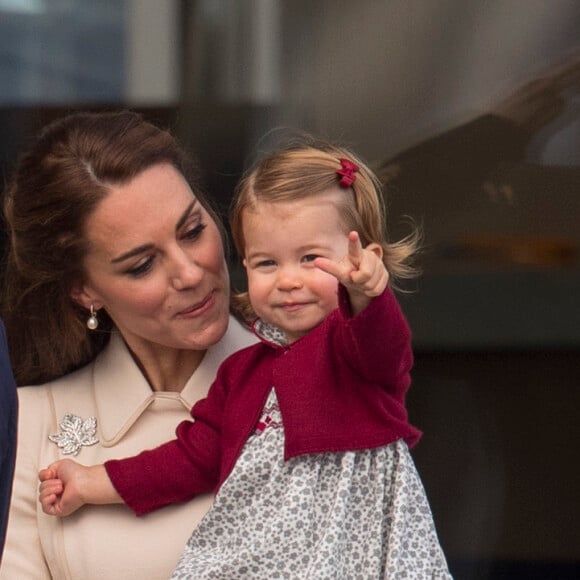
<point x="103" y="542"/>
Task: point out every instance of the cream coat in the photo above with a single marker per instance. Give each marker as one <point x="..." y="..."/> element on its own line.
<point x="104" y="542"/>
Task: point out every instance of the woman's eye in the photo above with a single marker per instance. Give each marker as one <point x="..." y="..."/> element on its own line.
<point x="194" y="232"/>
<point x="141" y="269"/>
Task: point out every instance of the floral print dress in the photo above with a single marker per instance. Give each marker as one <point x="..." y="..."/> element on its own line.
<point x="347" y="515"/>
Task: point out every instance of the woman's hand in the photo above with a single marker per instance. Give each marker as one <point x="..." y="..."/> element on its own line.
<point x="66" y="486"/>
<point x="362" y="272"/>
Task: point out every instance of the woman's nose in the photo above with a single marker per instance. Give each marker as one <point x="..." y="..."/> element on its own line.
<point x="186" y="273"/>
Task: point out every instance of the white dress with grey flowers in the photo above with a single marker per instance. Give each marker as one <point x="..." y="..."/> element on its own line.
<point x="344" y="516"/>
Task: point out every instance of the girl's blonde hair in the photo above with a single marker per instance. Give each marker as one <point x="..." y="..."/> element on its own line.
<point x="309" y="168"/>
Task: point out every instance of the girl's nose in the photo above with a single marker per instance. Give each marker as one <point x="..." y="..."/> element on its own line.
<point x="289" y="279"/>
<point x="186" y="273"/>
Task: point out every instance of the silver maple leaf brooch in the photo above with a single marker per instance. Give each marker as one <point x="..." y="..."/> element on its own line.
<point x="75" y="433"/>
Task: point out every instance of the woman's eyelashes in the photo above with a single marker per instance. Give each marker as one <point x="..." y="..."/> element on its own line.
<point x="194" y="232"/>
<point x="145" y="265"/>
<point x="141" y="269"/>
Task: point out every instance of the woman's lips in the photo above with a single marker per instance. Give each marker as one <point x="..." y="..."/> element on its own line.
<point x="198" y="309"/>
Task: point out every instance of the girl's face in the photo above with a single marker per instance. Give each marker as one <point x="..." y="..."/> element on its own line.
<point x="156" y="264"/>
<point x="281" y="242"/>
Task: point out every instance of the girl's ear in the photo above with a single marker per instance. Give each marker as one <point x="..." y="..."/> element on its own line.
<point x="245" y="263"/>
<point x="375" y="249"/>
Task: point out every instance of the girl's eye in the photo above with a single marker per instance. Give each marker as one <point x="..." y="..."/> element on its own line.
<point x="309" y="258"/>
<point x="265" y="264"/>
<point x="194" y="232"/>
<point x="141" y="269"/>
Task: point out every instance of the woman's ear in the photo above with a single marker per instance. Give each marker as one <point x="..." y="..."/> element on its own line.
<point x="84" y="297"/>
<point x="375" y="249"/>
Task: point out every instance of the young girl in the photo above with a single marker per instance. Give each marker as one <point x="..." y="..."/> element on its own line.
<point x="305" y="434"/>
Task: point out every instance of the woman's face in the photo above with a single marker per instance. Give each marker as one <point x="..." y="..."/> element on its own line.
<point x="156" y="264"/>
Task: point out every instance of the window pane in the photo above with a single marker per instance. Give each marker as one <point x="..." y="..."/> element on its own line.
<point x="62" y="51"/>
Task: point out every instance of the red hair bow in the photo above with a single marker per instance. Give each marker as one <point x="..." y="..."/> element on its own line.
<point x="347" y="172"/>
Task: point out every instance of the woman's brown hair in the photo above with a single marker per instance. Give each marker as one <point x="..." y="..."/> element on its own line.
<point x="308" y="168"/>
<point x="55" y="188"/>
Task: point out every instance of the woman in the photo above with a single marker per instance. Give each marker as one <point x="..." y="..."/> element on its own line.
<point x="116" y="303"/>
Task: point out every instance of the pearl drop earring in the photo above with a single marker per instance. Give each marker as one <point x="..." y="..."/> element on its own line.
<point x="92" y="321"/>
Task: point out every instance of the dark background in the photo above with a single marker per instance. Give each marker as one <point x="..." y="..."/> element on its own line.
<point x="495" y="315"/>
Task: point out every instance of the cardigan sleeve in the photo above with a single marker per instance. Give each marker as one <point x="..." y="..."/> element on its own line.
<point x="377" y="341"/>
<point x="179" y="469"/>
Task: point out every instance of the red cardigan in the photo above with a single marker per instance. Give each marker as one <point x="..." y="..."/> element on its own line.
<point x="341" y="387"/>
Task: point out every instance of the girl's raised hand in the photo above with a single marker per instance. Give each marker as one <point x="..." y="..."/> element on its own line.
<point x="362" y="271"/>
